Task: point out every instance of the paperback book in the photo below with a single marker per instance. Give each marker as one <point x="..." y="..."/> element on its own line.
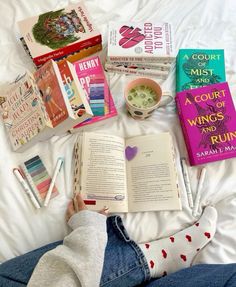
<point x="136" y="70"/>
<point x="40" y="105"/>
<point x="199" y="67"/>
<point x="128" y="175"/>
<point x="208" y="120"/>
<point x="140" y="42"/>
<point x="154" y="66"/>
<point x="57" y="34"/>
<point x="93" y="80"/>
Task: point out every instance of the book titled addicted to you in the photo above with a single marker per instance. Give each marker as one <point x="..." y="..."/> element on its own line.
<point x="208" y="120"/>
<point x="199" y="67"/>
<point x="140" y="42"/>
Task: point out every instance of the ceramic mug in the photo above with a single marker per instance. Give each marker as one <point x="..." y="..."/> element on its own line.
<point x="143" y="96"/>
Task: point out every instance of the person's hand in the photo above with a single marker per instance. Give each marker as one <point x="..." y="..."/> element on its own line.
<point x="77" y="205"/>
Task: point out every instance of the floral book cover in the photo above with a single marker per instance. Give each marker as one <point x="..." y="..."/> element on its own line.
<point x="208" y="120"/>
<point x="93" y="80"/>
<point x="199" y="67"/>
<point x="23" y="112"/>
<point x="54" y="34"/>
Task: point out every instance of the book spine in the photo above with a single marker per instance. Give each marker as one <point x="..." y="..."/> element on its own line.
<point x="178" y="86"/>
<point x="154" y="66"/>
<point x="77" y="166"/>
<point x="67" y="50"/>
<point x="150" y="59"/>
<point x="184" y="130"/>
<point x="32" y="185"/>
<point x="80" y="54"/>
<point x="141" y="72"/>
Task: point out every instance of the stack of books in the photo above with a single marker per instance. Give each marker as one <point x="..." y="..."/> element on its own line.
<point x="145" y="48"/>
<point x="205" y="106"/>
<point x="67" y="33"/>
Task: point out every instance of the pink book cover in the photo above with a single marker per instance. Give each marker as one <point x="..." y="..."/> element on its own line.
<point x="88" y="71"/>
<point x="208" y="120"/>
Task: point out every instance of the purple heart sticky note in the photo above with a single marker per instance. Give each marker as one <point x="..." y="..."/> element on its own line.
<point x="130" y="152"/>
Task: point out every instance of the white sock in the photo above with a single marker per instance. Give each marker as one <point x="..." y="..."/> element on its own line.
<point x="167" y="255"/>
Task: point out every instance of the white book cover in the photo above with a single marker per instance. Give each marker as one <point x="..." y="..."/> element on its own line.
<point x="143" y="40"/>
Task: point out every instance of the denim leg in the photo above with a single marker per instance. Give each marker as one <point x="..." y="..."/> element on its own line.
<point x="202" y="275"/>
<point x="124" y="264"/>
<point x="17" y="271"/>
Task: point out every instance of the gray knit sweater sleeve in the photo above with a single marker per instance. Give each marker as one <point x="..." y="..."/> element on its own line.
<point x="79" y="261"/>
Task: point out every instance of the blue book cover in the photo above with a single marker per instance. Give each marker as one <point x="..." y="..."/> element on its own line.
<point x="199" y="67"/>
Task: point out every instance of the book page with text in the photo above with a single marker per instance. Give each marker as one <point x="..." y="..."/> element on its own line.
<point x="103" y="176"/>
<point x="151" y="174"/>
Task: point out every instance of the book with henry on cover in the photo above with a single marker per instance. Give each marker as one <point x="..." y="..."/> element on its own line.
<point x="40" y="105"/>
<point x="56" y="34"/>
<point x="93" y="80"/>
<point x="199" y="67"/>
<point x="127" y="175"/>
<point x="208" y="120"/>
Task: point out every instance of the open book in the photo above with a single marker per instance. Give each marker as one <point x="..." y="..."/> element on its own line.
<point x="127" y="175"/>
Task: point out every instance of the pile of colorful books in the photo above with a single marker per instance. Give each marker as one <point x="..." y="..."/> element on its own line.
<point x="68" y="33"/>
<point x="145" y="48"/>
<point x="64" y="94"/>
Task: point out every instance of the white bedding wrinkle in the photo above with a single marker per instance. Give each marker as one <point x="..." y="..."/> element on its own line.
<point x="196" y="24"/>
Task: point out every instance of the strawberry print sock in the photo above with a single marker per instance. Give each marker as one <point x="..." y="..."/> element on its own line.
<point x="167" y="255"/>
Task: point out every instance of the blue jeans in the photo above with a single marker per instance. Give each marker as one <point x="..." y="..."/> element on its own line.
<point x="124" y="266"/>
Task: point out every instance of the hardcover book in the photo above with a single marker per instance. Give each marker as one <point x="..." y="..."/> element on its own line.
<point x="40" y="105"/>
<point x="93" y="80"/>
<point x="208" y="120"/>
<point x="199" y="67"/>
<point x="140" y="42"/>
<point x="128" y="175"/>
<point x="56" y="34"/>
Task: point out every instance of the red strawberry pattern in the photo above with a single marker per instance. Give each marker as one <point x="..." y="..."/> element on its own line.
<point x="164" y="254"/>
<point x="197" y="224"/>
<point x="189" y="238"/>
<point x="172" y="239"/>
<point x="152" y="264"/>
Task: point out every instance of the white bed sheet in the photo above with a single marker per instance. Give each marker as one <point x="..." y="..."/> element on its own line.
<point x="197" y="24"/>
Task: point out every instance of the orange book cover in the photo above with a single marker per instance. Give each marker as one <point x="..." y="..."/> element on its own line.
<point x="51" y="91"/>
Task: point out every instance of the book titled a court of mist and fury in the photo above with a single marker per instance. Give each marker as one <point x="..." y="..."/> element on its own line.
<point x="199" y="67"/>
